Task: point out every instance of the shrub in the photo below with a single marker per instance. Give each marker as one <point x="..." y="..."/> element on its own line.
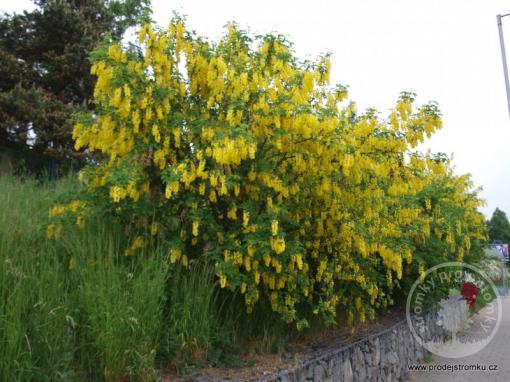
<point x="240" y="155"/>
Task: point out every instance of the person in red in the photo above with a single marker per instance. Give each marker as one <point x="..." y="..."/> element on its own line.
<point x="470" y="292"/>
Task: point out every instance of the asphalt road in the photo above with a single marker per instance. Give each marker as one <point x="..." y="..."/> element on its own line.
<point x="495" y="355"/>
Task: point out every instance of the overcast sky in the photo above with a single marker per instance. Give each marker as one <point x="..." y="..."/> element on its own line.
<point x="444" y="50"/>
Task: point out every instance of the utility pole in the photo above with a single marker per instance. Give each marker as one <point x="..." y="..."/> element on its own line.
<point x="503" y="55"/>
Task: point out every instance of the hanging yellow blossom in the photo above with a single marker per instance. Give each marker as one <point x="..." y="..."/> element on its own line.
<point x="193" y="133"/>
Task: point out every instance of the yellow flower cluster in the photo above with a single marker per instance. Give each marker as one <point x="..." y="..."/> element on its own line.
<point x="233" y="151"/>
<point x="75" y="208"/>
<point x="138" y="243"/>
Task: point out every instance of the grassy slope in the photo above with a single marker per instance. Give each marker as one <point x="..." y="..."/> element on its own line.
<point x="106" y="317"/>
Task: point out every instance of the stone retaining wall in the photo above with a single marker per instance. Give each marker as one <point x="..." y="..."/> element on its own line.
<point x="381" y="357"/>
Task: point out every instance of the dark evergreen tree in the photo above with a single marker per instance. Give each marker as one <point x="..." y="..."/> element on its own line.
<point x="499" y="227"/>
<point x="45" y="72"/>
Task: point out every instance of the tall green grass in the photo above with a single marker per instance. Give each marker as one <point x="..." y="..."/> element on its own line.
<point x="77" y="309"/>
<point x="192" y="322"/>
<point x="35" y="336"/>
<point x="118" y="303"/>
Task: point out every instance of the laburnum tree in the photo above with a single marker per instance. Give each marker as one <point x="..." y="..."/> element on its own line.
<point x="45" y="71"/>
<point x="238" y="154"/>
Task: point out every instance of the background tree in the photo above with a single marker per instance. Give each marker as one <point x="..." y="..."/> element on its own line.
<point x="499" y="227"/>
<point x="45" y="73"/>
